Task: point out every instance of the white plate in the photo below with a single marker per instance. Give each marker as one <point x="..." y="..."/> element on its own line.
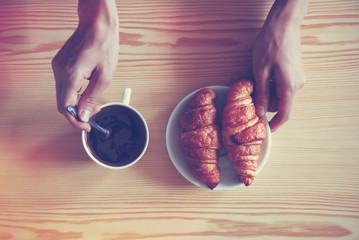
<point x="228" y="179"/>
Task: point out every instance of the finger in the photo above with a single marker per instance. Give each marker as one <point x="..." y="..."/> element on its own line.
<point x="273" y="99"/>
<point x="284" y="111"/>
<point x="285" y="95"/>
<point x="74" y="121"/>
<point x="88" y="102"/>
<point x="58" y="93"/>
<point x="69" y="96"/>
<point x="69" y="91"/>
<point x="77" y="124"/>
<point x="262" y="94"/>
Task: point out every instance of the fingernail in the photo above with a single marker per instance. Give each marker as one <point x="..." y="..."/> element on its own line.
<point x="85" y="115"/>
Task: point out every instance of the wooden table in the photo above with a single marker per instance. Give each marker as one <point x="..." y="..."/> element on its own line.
<point x="50" y="189"/>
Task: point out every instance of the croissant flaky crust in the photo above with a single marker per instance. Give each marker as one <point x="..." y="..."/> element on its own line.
<point x="200" y="137"/>
<point x="242" y="130"/>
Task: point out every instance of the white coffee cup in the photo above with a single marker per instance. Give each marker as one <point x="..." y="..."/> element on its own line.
<point x="128" y="138"/>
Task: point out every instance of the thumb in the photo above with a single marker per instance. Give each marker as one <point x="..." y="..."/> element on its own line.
<point x="261" y="93"/>
<point x="86" y="108"/>
<point x="87" y="105"/>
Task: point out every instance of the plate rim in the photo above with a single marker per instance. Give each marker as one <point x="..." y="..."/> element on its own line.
<point x="175" y="113"/>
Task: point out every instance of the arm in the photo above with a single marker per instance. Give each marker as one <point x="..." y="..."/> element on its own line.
<point x="277" y="63"/>
<point x="91" y="53"/>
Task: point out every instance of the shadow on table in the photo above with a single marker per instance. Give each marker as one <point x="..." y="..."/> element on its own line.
<point x="62" y="149"/>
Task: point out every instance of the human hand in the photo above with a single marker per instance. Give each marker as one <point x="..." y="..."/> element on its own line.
<point x="277" y="66"/>
<point x="91" y="53"/>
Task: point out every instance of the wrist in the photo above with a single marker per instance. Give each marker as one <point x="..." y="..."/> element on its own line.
<point x="98" y="12"/>
<point x="287" y="13"/>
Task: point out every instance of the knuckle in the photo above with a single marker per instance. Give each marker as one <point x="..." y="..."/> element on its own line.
<point x="260" y="75"/>
<point x="294" y="87"/>
<point x="283" y="118"/>
<point x="304" y="80"/>
<point x="60" y="108"/>
<point x="90" y="100"/>
<point x="72" y="86"/>
<point x="105" y="79"/>
<point x="286" y="118"/>
<point x="54" y="63"/>
<point x="298" y="84"/>
<point x="261" y="95"/>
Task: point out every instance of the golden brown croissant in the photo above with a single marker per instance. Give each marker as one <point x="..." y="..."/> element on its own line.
<point x="200" y="137"/>
<point x="242" y="130"/>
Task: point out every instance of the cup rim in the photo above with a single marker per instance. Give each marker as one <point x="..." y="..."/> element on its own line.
<point x="89" y="153"/>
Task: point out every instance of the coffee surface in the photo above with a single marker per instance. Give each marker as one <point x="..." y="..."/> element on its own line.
<point x="126" y="140"/>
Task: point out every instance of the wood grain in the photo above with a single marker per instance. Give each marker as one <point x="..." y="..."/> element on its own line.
<point x="50" y="189"/>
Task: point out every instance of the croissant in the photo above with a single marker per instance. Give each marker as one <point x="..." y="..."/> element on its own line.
<point x="200" y="137"/>
<point x="242" y="130"/>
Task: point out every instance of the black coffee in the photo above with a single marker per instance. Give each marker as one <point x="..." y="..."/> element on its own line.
<point x="127" y="137"/>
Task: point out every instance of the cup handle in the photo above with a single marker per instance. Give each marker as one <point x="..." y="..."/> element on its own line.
<point x="126" y="96"/>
